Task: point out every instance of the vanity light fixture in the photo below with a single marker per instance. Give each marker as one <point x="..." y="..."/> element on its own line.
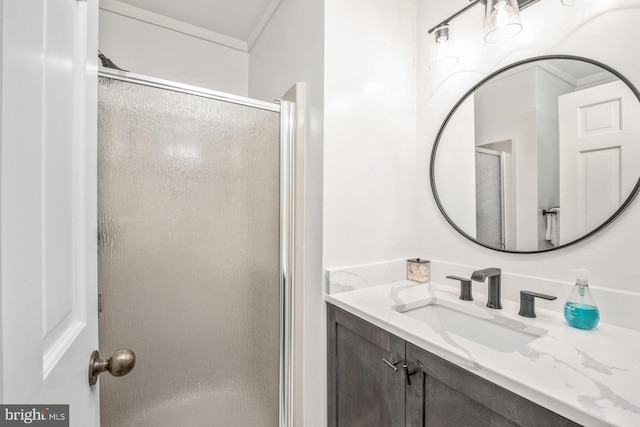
<point x="442" y="34"/>
<point x="442" y="54"/>
<point x="502" y="18"/>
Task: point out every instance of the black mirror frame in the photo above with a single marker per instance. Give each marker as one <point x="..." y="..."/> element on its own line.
<point x="610" y="220"/>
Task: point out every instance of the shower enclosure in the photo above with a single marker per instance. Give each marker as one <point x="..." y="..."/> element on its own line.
<point x="194" y="212"/>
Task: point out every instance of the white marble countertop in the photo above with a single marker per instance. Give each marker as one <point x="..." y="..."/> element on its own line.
<point x="590" y="377"/>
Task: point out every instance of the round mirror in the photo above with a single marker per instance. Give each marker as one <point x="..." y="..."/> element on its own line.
<point x="539" y="155"/>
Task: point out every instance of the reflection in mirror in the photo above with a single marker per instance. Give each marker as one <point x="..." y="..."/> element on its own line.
<point x="539" y="155"/>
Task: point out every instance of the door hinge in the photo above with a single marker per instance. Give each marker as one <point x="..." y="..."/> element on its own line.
<point x="99" y="303"/>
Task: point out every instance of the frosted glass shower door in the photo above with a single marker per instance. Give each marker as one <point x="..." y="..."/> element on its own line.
<point x="490" y="198"/>
<point x="188" y="257"/>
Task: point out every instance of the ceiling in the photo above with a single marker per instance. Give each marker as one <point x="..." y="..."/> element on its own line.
<point x="238" y="19"/>
<point x="578" y="69"/>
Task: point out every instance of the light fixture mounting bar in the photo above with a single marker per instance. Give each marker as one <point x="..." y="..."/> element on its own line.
<point x="455" y="15"/>
<point x="522" y="4"/>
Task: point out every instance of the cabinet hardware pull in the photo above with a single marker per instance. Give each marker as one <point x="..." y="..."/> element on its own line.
<point x="407" y="373"/>
<point x="392" y="365"/>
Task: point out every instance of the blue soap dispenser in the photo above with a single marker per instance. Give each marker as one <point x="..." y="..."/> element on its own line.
<point x="580" y="310"/>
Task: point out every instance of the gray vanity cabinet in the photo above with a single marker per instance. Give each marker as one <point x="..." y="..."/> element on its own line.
<point x="364" y="390"/>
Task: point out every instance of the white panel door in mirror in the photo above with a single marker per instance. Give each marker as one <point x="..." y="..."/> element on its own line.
<point x="599" y="155"/>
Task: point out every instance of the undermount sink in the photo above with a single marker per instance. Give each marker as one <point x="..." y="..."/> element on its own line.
<point x="475" y="324"/>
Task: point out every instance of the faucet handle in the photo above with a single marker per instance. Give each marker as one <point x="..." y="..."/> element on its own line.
<point x="465" y="287"/>
<point x="527" y="302"/>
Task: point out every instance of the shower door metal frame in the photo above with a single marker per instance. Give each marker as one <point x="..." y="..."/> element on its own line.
<point x="287" y="214"/>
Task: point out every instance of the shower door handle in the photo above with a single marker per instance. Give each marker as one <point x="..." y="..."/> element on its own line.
<point x="119" y="364"/>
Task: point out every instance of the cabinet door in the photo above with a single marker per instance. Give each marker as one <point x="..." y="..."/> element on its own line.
<point x="443" y="394"/>
<point x="362" y="389"/>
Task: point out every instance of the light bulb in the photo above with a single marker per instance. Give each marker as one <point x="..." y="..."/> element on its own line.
<point x="501" y="14"/>
<point x="502" y="20"/>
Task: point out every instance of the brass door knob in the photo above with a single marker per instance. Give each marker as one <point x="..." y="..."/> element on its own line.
<point x="119" y="364"/>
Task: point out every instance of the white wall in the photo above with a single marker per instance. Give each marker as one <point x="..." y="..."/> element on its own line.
<point x="290" y="50"/>
<point x="369" y="140"/>
<point x="458" y="185"/>
<point x="610" y="255"/>
<point x="159" y="52"/>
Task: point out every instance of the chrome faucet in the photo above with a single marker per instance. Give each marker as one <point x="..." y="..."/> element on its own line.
<point x="494" y="284"/>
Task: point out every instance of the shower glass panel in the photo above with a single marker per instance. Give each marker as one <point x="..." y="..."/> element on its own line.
<point x="189" y="253"/>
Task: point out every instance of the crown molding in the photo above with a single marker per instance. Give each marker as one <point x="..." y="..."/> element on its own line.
<point x="123" y="9"/>
<point x="264" y="21"/>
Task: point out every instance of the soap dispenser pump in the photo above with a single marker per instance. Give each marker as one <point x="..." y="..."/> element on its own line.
<point x="580" y="310"/>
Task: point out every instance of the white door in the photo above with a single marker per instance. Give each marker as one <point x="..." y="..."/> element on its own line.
<point x="48" y="323"/>
<point x="599" y="155"/>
